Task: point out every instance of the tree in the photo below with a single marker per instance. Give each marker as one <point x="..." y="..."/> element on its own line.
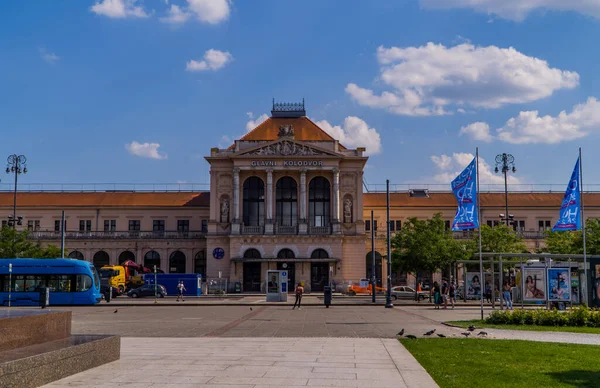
<point x="572" y="241"/>
<point x="426" y="245"/>
<point x="500" y="239"/>
<point x="15" y="244"/>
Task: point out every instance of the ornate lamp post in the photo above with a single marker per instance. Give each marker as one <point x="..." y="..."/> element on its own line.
<point x="17" y="165"/>
<point x="505" y="163"/>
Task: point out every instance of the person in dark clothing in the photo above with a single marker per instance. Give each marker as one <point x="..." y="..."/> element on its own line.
<point x="436" y="295"/>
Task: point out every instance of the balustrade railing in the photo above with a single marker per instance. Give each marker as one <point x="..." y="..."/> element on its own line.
<point x="319" y="230"/>
<point x="253" y="229"/>
<point x="286" y="229"/>
<point x="116" y="235"/>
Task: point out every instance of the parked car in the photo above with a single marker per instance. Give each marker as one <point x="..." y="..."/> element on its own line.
<point x="147" y="290"/>
<point x="405" y="292"/>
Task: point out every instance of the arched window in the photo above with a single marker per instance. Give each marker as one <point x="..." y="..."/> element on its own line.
<point x="287" y="201"/>
<point x="101" y="259"/>
<point x="177" y="262"/>
<point x="252" y="254"/>
<point x="286" y="254"/>
<point x="76" y="255"/>
<point x="319" y="254"/>
<point x="254" y="201"/>
<point x="126" y="255"/>
<point x="200" y="263"/>
<point x="319" y="195"/>
<point x="151" y="259"/>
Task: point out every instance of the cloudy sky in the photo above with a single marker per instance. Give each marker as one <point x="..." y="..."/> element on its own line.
<point x="139" y="91"/>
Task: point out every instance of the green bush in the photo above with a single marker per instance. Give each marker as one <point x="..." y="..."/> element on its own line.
<point x="577" y="316"/>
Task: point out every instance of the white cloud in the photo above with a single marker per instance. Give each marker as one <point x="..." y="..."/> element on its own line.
<point x="48" y="57"/>
<point x="213" y="60"/>
<point x="478" y="131"/>
<point x="250" y="115"/>
<point x="145" y="150"/>
<point x="354" y="133"/>
<point x="517" y="10"/>
<point x="432" y="79"/>
<point x="175" y="15"/>
<point x="251" y="124"/>
<point x="528" y="127"/>
<point x="210" y="11"/>
<point x="118" y="9"/>
<point x="451" y="166"/>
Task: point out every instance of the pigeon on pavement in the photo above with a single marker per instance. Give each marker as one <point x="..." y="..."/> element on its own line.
<point x="441" y="335"/>
<point x="400" y="333"/>
<point x="114" y="312"/>
<point x="466" y="334"/>
<point x="250" y="308"/>
<point x="430" y="332"/>
<point x="471" y="328"/>
<point x="482" y="333"/>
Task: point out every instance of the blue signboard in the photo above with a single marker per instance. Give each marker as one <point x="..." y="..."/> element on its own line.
<point x="464" y="188"/>
<point x="570" y="216"/>
<point x="218" y="253"/>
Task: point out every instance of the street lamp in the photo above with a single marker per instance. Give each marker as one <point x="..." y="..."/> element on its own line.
<point x="505" y="163"/>
<point x="17" y="165"/>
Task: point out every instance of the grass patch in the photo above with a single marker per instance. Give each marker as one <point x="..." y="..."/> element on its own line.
<point x="508" y="363"/>
<point x="568" y="329"/>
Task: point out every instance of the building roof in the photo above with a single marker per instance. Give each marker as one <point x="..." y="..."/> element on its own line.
<point x="304" y="130"/>
<point x="487" y="200"/>
<point x="106" y="199"/>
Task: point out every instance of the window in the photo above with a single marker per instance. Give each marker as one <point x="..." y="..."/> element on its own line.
<point x="57" y="225"/>
<point x="286" y="201"/>
<point x="447" y="224"/>
<point x="83" y="283"/>
<point x="254" y="201"/>
<point x="200" y="263"/>
<point x="319" y="254"/>
<point x="76" y="255"/>
<point x="375" y="225"/>
<point x="395" y="225"/>
<point x="519" y="225"/>
<point x="110" y="225"/>
<point x="204" y="226"/>
<point x="252" y="254"/>
<point x="151" y="259"/>
<point x="5" y="223"/>
<point x="398" y="225"/>
<point x="544" y="225"/>
<point x="286" y="254"/>
<point x="33" y="225"/>
<point x="134" y="225"/>
<point x="177" y="262"/>
<point x="158" y="225"/>
<point x="318" y="201"/>
<point x="183" y="225"/>
<point x="493" y="223"/>
<point x="85" y="225"/>
<point x="392" y="225"/>
<point x="368" y="225"/>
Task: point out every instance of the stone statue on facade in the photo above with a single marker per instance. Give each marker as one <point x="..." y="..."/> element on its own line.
<point x="286" y="148"/>
<point x="224" y="210"/>
<point x="348" y="210"/>
<point x="286" y="131"/>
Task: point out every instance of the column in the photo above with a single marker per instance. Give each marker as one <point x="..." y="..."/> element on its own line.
<point x="336" y="195"/>
<point x="269" y="203"/>
<point x="235" y="222"/>
<point x="302" y="224"/>
<point x="336" y="202"/>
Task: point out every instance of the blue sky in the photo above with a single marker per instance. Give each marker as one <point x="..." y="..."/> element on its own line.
<point x="80" y="81"/>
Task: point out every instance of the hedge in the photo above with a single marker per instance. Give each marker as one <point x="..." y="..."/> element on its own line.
<point x="577" y="316"/>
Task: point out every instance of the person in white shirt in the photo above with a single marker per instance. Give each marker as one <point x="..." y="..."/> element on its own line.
<point x="180" y="289"/>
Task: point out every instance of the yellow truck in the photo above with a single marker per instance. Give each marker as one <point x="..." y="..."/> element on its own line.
<point x="124" y="277"/>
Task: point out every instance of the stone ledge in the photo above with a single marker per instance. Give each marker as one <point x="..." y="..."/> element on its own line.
<point x="20" y="328"/>
<point x="40" y="364"/>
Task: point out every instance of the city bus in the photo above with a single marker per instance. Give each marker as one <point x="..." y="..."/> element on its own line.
<point x="71" y="282"/>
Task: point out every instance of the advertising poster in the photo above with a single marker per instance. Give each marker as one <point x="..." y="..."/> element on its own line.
<point x="473" y="285"/>
<point x="535" y="284"/>
<point x="574" y="287"/>
<point x="559" y="284"/>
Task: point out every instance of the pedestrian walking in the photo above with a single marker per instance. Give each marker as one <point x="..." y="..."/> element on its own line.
<point x="488" y="293"/>
<point x="436" y="295"/>
<point x="445" y="293"/>
<point x="299" y="291"/>
<point x="452" y="294"/>
<point x="180" y="289"/>
<point x="506" y="295"/>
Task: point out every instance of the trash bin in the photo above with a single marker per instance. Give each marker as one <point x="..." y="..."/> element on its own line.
<point x="44" y="297"/>
<point x="327" y="296"/>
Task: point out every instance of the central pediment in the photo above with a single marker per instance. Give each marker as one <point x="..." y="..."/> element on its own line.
<point x="286" y="147"/>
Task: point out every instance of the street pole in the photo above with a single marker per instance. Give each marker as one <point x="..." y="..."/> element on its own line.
<point x="9" y="283"/>
<point x="506" y="195"/>
<point x="373" y="277"/>
<point x="62" y="235"/>
<point x="388" y="296"/>
<point x="155" y="286"/>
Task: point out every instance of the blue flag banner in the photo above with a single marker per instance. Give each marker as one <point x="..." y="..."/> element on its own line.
<point x="464" y="188"/>
<point x="570" y="212"/>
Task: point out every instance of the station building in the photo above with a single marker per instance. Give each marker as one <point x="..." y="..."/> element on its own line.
<point x="285" y="196"/>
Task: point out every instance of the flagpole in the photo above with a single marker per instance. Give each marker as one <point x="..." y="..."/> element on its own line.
<point x="481" y="279"/>
<point x="585" y="270"/>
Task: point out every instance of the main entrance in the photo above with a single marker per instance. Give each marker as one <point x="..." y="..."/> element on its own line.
<point x="319" y="276"/>
<point x="252" y="277"/>
<point x="291" y="274"/>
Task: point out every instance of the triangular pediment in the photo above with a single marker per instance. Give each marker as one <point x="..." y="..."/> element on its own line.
<point x="287" y="147"/>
